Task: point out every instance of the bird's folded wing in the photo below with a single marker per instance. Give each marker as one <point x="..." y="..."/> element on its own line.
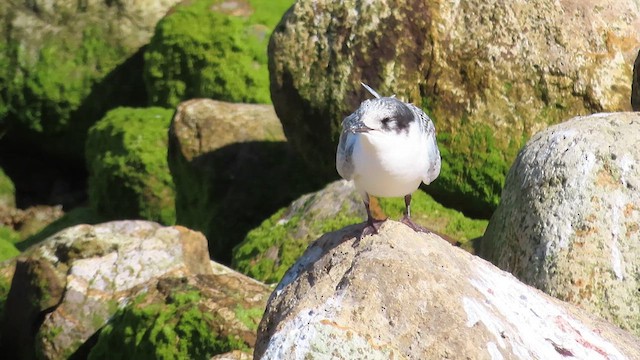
<point x="344" y="155"/>
<point x="429" y="132"/>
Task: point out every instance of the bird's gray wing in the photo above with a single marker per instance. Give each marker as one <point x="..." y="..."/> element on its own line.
<point x="344" y="154"/>
<point x="429" y="133"/>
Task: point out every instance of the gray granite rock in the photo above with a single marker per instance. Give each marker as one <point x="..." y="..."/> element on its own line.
<point x="568" y="221"/>
<point x="406" y="295"/>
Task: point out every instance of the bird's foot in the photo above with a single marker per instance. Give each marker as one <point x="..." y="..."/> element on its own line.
<point x="372" y="227"/>
<point x="417" y="228"/>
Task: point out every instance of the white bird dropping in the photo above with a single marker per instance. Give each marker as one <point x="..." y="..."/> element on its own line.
<point x="388" y="147"/>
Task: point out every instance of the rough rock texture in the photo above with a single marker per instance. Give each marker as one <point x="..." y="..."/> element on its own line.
<point x="199" y="316"/>
<point x="635" y="86"/>
<point x="67" y="287"/>
<point x="30" y="221"/>
<point x="269" y="250"/>
<point x="231" y="168"/>
<point x="234" y="355"/>
<point x="64" y="63"/>
<point x="568" y="221"/>
<point x="126" y="156"/>
<point x="405" y="295"/>
<point x="213" y="49"/>
<point x="490" y="73"/>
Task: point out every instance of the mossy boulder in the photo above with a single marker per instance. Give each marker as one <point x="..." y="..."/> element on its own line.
<point x="232" y="169"/>
<point x="270" y="249"/>
<point x="7" y="191"/>
<point x="178" y="329"/>
<point x="489" y="73"/>
<point x="63" y="64"/>
<point x="67" y="287"/>
<point x="185" y="318"/>
<point x="213" y="49"/>
<point x="127" y="160"/>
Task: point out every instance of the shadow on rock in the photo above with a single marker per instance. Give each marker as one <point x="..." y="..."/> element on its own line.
<point x="231" y="190"/>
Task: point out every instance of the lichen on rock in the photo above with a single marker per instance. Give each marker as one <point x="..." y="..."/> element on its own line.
<point x="568" y="219"/>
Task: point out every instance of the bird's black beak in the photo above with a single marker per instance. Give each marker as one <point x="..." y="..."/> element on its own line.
<point x="359" y="127"/>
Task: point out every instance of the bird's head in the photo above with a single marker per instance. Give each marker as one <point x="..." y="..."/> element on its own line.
<point x="386" y="115"/>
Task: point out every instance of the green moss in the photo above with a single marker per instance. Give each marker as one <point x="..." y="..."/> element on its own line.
<point x="74" y="76"/>
<point x="7" y="189"/>
<point x="9" y="235"/>
<point x="7" y="248"/>
<point x="474" y="167"/>
<point x="249" y="317"/>
<point x="176" y="330"/>
<point x="287" y="238"/>
<point x="199" y="51"/>
<point x="127" y="162"/>
<point x="270" y="249"/>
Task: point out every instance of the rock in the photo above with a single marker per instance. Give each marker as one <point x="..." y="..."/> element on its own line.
<point x="269" y="250"/>
<point x="213" y="49"/>
<point x="568" y="219"/>
<point x="406" y="295"/>
<point x="232" y="169"/>
<point x="67" y="287"/>
<point x="198" y="316"/>
<point x="489" y="73"/>
<point x="77" y="216"/>
<point x="28" y="222"/>
<point x="126" y="156"/>
<point x="234" y="355"/>
<point x="65" y="63"/>
<point x="635" y="86"/>
<point x="7" y="191"/>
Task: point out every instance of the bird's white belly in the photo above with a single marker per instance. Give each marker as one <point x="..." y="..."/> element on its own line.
<point x="388" y="169"/>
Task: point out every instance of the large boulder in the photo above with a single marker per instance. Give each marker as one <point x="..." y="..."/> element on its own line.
<point x="568" y="221"/>
<point x="406" y="295"/>
<point x="232" y="169"/>
<point x="214" y="49"/>
<point x="635" y="85"/>
<point x="67" y="287"/>
<point x="64" y="63"/>
<point x="489" y="73"/>
<point x="269" y="250"/>
<point x="126" y="155"/>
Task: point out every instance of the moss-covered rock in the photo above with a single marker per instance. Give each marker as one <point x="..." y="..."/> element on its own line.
<point x="232" y="169"/>
<point x="127" y="161"/>
<point x="270" y="249"/>
<point x="63" y="64"/>
<point x="7" y="247"/>
<point x="213" y="49"/>
<point x="481" y="69"/>
<point x="178" y="329"/>
<point x="185" y="318"/>
<point x="7" y="191"/>
<point x="81" y="215"/>
<point x="67" y="287"/>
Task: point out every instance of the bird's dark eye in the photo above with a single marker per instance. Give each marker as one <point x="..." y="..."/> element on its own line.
<point x="386" y="121"/>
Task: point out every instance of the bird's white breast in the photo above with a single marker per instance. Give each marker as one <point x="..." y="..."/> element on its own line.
<point x="387" y="165"/>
